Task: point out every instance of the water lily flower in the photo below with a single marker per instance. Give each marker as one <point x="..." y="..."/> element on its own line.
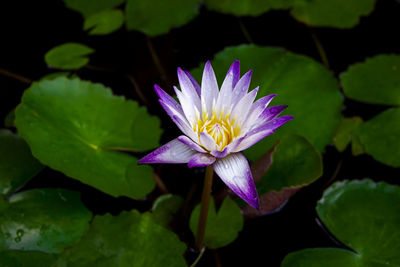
<point x="217" y="126"/>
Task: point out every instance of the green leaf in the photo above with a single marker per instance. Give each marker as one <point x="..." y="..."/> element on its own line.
<point x="55" y="75"/>
<point x="380" y="137"/>
<point x="345" y="133"/>
<point x="17" y="165"/>
<point x="377" y="80"/>
<point x="247" y="7"/>
<point x="165" y="209"/>
<point x="68" y="56"/>
<point x="222" y="227"/>
<point x="364" y="216"/>
<point x="46" y="220"/>
<point x="18" y="258"/>
<point x="104" y="22"/>
<point x="90" y="7"/>
<point x="309" y="90"/>
<point x="331" y="13"/>
<point x="76" y="127"/>
<point x="156" y="17"/>
<point x="129" y="239"/>
<point x="295" y="164"/>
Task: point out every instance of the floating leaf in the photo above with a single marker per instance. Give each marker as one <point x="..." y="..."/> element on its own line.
<point x="364" y="216"/>
<point x="247" y="7"/>
<point x="380" y="137"/>
<point x="129" y="239"/>
<point x="76" y="127"/>
<point x="46" y="220"/>
<point x="104" y="22"/>
<point x="295" y="163"/>
<point x="68" y="56"/>
<point x="89" y="7"/>
<point x="332" y="13"/>
<point x="222" y="227"/>
<point x="165" y="208"/>
<point x="377" y="80"/>
<point x="55" y="75"/>
<point x="155" y="17"/>
<point x="17" y="165"/>
<point x="18" y="258"/>
<point x="345" y="133"/>
<point x="309" y="90"/>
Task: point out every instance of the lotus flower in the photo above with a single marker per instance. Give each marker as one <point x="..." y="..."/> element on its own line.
<point x="217" y="126"/>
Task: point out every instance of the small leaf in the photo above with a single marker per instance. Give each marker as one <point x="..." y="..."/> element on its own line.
<point x="295" y="163"/>
<point x="165" y="209"/>
<point x="19" y="258"/>
<point x="90" y="7"/>
<point x="156" y="17"/>
<point x="104" y="22"/>
<point x="331" y="13"/>
<point x="364" y="216"/>
<point x="247" y="7"/>
<point x="377" y="80"/>
<point x="380" y="137"/>
<point x="69" y="56"/>
<point x="345" y="132"/>
<point x="129" y="239"/>
<point x="46" y="220"/>
<point x="17" y="165"/>
<point x="55" y="75"/>
<point x="77" y="127"/>
<point x="222" y="227"/>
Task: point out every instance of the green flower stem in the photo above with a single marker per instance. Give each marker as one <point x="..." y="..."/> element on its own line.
<point x="205" y="201"/>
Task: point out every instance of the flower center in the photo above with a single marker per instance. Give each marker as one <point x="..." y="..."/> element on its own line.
<point x="221" y="128"/>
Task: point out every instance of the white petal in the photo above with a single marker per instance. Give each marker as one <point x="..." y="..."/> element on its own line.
<point x="209" y="87"/>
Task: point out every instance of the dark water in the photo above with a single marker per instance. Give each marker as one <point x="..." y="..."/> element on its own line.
<point x="30" y="28"/>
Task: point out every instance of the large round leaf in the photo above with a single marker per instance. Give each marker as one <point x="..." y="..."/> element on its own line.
<point x="309" y="90"/>
<point x="46" y="220"/>
<point x="17" y="165"/>
<point x="165" y="208"/>
<point x="104" y="22"/>
<point x="364" y="216"/>
<point x="332" y="13"/>
<point x="129" y="239"/>
<point x="68" y="56"/>
<point x="90" y="7"/>
<point x="377" y="80"/>
<point x="381" y="137"/>
<point x="75" y="127"/>
<point x="222" y="227"/>
<point x="155" y="17"/>
<point x="247" y="7"/>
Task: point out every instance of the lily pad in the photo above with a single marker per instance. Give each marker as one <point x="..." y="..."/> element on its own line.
<point x="104" y="22"/>
<point x="68" y="56"/>
<point x="129" y="239"/>
<point x="17" y="165"/>
<point x="377" y="80"/>
<point x="380" y="137"/>
<point x="165" y="208"/>
<point x="90" y="7"/>
<point x="156" y="17"/>
<point x="247" y="7"/>
<point x="78" y="127"/>
<point x="364" y="216"/>
<point x="295" y="164"/>
<point x="346" y="132"/>
<point x="222" y="227"/>
<point x="332" y="13"/>
<point x="309" y="90"/>
<point x="46" y="220"/>
<point x="19" y="258"/>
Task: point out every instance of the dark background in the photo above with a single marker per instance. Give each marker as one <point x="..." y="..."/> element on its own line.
<point x="30" y="28"/>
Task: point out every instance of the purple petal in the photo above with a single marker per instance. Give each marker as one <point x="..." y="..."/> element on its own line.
<point x="234" y="171"/>
<point x="235" y="70"/>
<point x="242" y="87"/>
<point x="209" y="87"/>
<point x="194" y="82"/>
<point x="256" y="109"/>
<point x="274" y="124"/>
<point x="201" y="160"/>
<point x="172" y="152"/>
<point x="271" y="113"/>
<point x="167" y="99"/>
<point x="190" y="143"/>
<point x="220" y="154"/>
<point x="187" y="86"/>
<point x="207" y="141"/>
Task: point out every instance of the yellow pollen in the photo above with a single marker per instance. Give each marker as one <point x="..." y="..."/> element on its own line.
<point x="220" y="127"/>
